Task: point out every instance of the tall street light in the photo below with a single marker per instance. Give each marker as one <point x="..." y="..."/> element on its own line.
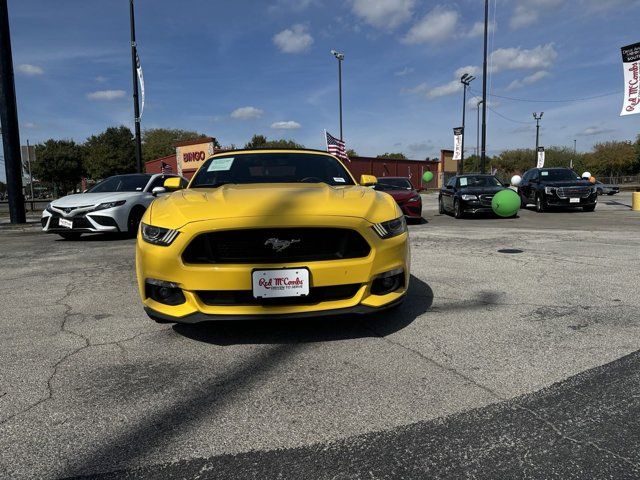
<point x="340" y="57"/>
<point x="483" y="152"/>
<point x="9" y="122"/>
<point x="538" y="117"/>
<point x="465" y="80"/>
<point x="136" y="105"/>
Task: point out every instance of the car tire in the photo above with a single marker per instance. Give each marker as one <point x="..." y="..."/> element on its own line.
<point x="134" y="220"/>
<point x="457" y="209"/>
<point x="589" y="208"/>
<point x="540" y="206"/>
<point x="611" y="193"/>
<point x="523" y="201"/>
<point x="440" y="206"/>
<point x="599" y="191"/>
<point x="70" y="235"/>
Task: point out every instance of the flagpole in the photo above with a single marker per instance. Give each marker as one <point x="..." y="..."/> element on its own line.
<point x="326" y="142"/>
<point x="136" y="106"/>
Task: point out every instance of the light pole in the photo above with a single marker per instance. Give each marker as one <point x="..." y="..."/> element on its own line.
<point x="483" y="152"/>
<point x="340" y="57"/>
<point x="136" y="106"/>
<point x="465" y="80"/>
<point x="478" y="130"/>
<point x="538" y="118"/>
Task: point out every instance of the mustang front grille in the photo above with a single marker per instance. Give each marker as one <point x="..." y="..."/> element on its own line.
<point x="276" y="245"/>
<point x="245" y="297"/>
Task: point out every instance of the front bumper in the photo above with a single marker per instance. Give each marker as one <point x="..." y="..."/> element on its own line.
<point x="101" y="221"/>
<point x="166" y="264"/>
<point x="555" y="201"/>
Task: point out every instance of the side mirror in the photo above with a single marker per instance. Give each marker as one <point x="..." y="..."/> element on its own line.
<point x="158" y="190"/>
<point x="368" y="180"/>
<point x="449" y="187"/>
<point x="172" y="183"/>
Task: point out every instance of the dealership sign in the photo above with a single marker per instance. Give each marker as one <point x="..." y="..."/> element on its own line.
<point x="631" y="66"/>
<point x="457" y="143"/>
<point x="540" y="157"/>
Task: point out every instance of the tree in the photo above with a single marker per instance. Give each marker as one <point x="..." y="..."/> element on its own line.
<point x="612" y="158"/>
<point x="399" y="156"/>
<point x="352" y="153"/>
<point x="110" y="153"/>
<point x="159" y="142"/>
<point x="58" y="164"/>
<point x="3" y="187"/>
<point x="260" y="141"/>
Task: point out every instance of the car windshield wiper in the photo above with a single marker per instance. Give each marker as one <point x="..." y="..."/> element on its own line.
<point x="212" y="185"/>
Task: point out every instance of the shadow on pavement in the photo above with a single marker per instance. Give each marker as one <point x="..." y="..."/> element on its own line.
<point x="273" y="331"/>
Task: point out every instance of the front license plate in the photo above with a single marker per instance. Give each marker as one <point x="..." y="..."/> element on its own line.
<point x="574" y="200"/>
<point x="63" y="222"/>
<point x="284" y="282"/>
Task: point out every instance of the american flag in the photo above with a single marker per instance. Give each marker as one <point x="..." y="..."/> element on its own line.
<point x="336" y="147"/>
<point x="166" y="168"/>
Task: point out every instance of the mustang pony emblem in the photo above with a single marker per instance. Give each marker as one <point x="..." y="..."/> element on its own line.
<point x="279" y="245"/>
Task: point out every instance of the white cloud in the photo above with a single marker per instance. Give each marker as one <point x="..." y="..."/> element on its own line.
<point x="540" y="57"/>
<point x="421" y="88"/>
<point x="527" y="12"/>
<point x="30" y="70"/>
<point x="290" y="125"/>
<point x="436" y="26"/>
<point x="529" y="80"/>
<point x="593" y="131"/>
<point x="285" y="6"/>
<point x="470" y="69"/>
<point x="29" y="125"/>
<point x="293" y="40"/>
<point x="405" y="71"/>
<point x="387" y="14"/>
<point x="447" y="89"/>
<point x="473" y="102"/>
<point x="246" y="113"/>
<point x="101" y="79"/>
<point x="106" y="95"/>
<point x="478" y="29"/>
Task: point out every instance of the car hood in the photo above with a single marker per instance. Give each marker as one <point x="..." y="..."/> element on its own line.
<point x="480" y="190"/>
<point x="279" y="199"/>
<point x="402" y="194"/>
<point x="89" y="199"/>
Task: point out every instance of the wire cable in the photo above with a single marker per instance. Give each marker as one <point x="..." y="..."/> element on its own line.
<point x="507" y="118"/>
<point x="549" y="101"/>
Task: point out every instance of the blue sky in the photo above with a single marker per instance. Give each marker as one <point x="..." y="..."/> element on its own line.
<point x="232" y="69"/>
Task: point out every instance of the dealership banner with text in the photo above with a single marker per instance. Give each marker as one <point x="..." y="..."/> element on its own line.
<point x="631" y="65"/>
<point x="457" y="143"/>
<point x="540" y="157"/>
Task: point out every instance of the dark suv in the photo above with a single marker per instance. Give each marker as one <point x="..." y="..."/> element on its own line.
<point x="556" y="187"/>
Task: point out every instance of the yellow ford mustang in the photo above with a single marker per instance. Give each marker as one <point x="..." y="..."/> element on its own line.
<point x="271" y="233"/>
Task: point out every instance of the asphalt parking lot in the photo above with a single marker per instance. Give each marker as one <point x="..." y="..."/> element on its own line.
<point x="514" y="356"/>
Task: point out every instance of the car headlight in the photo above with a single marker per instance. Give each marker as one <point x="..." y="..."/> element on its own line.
<point x="549" y="190"/>
<point x="392" y="228"/>
<point x="467" y="198"/>
<point x="415" y="199"/>
<point x="104" y="206"/>
<point x="158" y="235"/>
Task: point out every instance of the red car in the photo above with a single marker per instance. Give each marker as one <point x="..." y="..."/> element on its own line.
<point x="403" y="192"/>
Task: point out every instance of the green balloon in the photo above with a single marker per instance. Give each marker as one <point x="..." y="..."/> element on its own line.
<point x="505" y="203"/>
<point x="427" y="176"/>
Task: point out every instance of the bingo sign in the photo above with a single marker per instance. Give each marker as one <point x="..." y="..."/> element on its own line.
<point x="190" y="157"/>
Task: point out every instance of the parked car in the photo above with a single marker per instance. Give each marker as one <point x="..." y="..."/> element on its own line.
<point x="607" y="189"/>
<point x="405" y="195"/>
<point x="469" y="193"/>
<point x="114" y="205"/>
<point x="266" y="233"/>
<point x="556" y="187"/>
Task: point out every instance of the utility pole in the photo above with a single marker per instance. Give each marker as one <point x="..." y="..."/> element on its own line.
<point x="465" y="80"/>
<point x="136" y="105"/>
<point x="340" y="57"/>
<point x="538" y="118"/>
<point x="483" y="153"/>
<point x="478" y="130"/>
<point x="30" y="175"/>
<point x="9" y="121"/>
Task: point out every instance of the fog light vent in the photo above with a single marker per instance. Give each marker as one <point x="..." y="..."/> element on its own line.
<point x="388" y="282"/>
<point x="164" y="292"/>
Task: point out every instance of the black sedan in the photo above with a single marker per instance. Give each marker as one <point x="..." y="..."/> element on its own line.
<point x="470" y="193"/>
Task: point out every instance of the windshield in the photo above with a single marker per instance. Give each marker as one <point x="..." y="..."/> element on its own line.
<point x="559" y="175"/>
<point x="285" y="167"/>
<point x="385" y="184"/>
<point x="121" y="183"/>
<point x="479" y="181"/>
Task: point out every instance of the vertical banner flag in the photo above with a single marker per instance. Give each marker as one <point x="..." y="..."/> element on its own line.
<point x="336" y="147"/>
<point x="540" y="157"/>
<point x="631" y="65"/>
<point x="457" y="143"/>
<point x="141" y="80"/>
